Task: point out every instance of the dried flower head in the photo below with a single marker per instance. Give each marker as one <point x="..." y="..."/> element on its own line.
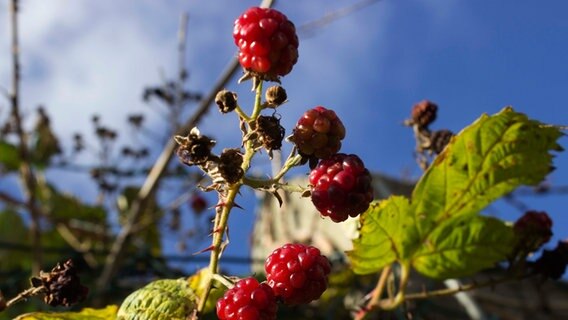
<point x="194" y="149"/>
<point x="226" y="100"/>
<point x="62" y="286"/>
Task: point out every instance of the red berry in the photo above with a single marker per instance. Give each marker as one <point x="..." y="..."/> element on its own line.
<point x="247" y="300"/>
<point x="267" y="42"/>
<point x="297" y="273"/>
<point x="318" y="133"/>
<point x="198" y="204"/>
<point x="341" y="187"/>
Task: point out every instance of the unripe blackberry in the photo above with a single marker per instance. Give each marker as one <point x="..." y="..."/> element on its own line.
<point x="341" y="187"/>
<point x="297" y="273"/>
<point x="267" y="42"/>
<point x="318" y="133"/>
<point x="424" y="113"/>
<point x="248" y="300"/>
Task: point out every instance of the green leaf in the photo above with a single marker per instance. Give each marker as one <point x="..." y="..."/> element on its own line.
<point x="463" y="246"/>
<point x="386" y="235"/>
<point x="9" y="157"/>
<point x="487" y="160"/>
<point x="107" y="313"/>
<point x="161" y="299"/>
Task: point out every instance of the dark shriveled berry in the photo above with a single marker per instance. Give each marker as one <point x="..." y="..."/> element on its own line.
<point x="424" y="113"/>
<point x="341" y="187"/>
<point x="552" y="263"/>
<point x="226" y="101"/>
<point x="267" y="42"/>
<point x="297" y="273"/>
<point x="440" y="139"/>
<point x="533" y="230"/>
<point x="62" y="286"/>
<point x="230" y="163"/>
<point x="318" y="133"/>
<point x="248" y="300"/>
<point x="194" y="149"/>
<point x="271" y="133"/>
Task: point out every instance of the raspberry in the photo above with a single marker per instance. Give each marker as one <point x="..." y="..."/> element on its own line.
<point x="424" y="113"/>
<point x="297" y="273"/>
<point x="318" y="133"/>
<point x="247" y="300"/>
<point x="341" y="187"/>
<point x="267" y="41"/>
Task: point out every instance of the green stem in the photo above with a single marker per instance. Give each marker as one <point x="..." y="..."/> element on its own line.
<point x="242" y="114"/>
<point x="257" y="105"/>
<point x="401" y="295"/>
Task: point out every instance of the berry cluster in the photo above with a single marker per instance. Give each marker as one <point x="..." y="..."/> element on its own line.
<point x="341" y="187"/>
<point x="267" y="41"/>
<point x="296" y="274"/>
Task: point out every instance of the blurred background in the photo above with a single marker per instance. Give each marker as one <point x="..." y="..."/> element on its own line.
<point x="97" y="79"/>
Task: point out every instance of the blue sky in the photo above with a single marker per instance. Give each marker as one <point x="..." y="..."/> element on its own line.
<point x="82" y="57"/>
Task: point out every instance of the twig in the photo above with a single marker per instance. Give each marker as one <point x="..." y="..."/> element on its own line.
<point x="467" y="287"/>
<point x="26" y="172"/>
<point x="25" y="294"/>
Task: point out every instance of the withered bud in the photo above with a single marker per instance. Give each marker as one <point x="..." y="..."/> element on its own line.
<point x="226" y="100"/>
<point x="424" y="113"/>
<point x="230" y="163"/>
<point x="275" y="96"/>
<point x="440" y="139"/>
<point x="271" y="133"/>
<point x="194" y="149"/>
<point x="62" y="286"/>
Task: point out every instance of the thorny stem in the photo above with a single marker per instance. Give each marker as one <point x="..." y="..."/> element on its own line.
<point x="227" y="202"/>
<point x="218" y="233"/>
